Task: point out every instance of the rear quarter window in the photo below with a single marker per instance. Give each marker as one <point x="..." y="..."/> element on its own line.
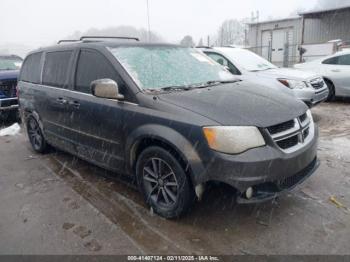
<point x="30" y="71"/>
<point x="56" y="68"/>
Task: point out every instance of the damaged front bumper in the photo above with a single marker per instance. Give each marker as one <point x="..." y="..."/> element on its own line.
<point x="267" y="170"/>
<point x="271" y="190"/>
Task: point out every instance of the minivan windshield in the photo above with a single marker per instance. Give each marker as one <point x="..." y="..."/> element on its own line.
<point x="9" y="63"/>
<point x="158" y="67"/>
<point x="247" y="59"/>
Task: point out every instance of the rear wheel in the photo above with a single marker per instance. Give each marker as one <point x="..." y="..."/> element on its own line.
<point x="35" y="135"/>
<point x="164" y="183"/>
<point x="331" y="89"/>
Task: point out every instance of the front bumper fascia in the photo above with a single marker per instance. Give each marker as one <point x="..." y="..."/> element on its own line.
<point x="261" y="166"/>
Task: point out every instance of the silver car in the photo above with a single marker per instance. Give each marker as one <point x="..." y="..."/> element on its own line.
<point x="336" y="71"/>
<point x="306" y="86"/>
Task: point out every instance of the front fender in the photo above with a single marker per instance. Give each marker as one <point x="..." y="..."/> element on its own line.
<point x="173" y="139"/>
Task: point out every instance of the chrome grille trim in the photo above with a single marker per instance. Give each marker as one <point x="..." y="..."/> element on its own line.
<point x="303" y="128"/>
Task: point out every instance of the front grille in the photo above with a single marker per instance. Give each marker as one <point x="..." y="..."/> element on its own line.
<point x="291" y="181"/>
<point x="306" y="132"/>
<point x="303" y="117"/>
<point x="291" y="135"/>
<point x="288" y="142"/>
<point x="8" y="88"/>
<point x="281" y="127"/>
<point x="317" y="83"/>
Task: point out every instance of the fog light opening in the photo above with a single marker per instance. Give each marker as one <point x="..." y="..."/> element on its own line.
<point x="249" y="193"/>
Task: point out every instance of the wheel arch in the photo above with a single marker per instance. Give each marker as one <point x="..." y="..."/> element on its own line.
<point x="168" y="139"/>
<point x="329" y="80"/>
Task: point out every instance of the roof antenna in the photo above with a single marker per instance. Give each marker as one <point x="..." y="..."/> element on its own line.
<point x="149" y="26"/>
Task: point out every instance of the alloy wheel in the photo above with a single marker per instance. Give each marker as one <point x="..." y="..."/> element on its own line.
<point x="34" y="133"/>
<point x="160" y="182"/>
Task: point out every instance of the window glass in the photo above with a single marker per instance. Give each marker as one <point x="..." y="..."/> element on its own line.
<point x="331" y="61"/>
<point x="223" y="61"/>
<point x="344" y="60"/>
<point x="10" y="63"/>
<point x="92" y="66"/>
<point x="56" y="68"/>
<point x="247" y="59"/>
<point x="157" y="67"/>
<point x="30" y="71"/>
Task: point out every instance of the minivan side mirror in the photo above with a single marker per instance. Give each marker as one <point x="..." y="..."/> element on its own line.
<point x="106" y="88"/>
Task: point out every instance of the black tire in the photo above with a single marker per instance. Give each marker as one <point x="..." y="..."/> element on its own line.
<point x="35" y="135"/>
<point x="331" y="89"/>
<point x="164" y="183"/>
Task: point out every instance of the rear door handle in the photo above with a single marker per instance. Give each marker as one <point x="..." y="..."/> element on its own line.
<point x="75" y="104"/>
<point x="62" y="101"/>
<point x="335" y="70"/>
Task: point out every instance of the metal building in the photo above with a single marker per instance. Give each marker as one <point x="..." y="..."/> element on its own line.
<point x="276" y="40"/>
<point x="280" y="40"/>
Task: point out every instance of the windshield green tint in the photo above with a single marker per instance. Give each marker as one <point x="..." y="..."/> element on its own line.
<point x="156" y="67"/>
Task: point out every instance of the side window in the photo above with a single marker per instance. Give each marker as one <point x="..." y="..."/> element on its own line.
<point x="331" y="61"/>
<point x="344" y="60"/>
<point x="56" y="68"/>
<point x="92" y="66"/>
<point x="224" y="62"/>
<point x="30" y="71"/>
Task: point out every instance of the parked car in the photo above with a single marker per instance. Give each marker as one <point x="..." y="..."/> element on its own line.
<point x="336" y="72"/>
<point x="9" y="70"/>
<point x="305" y="86"/>
<point x="168" y="116"/>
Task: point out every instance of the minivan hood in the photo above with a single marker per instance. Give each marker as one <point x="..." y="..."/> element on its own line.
<point x="287" y="73"/>
<point x="241" y="103"/>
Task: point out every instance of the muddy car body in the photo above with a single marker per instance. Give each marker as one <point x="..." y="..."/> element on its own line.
<point x="174" y="126"/>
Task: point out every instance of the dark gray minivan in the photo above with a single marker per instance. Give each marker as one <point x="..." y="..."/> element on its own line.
<point x="169" y="116"/>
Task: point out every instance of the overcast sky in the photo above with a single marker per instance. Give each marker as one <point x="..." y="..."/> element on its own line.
<point x="40" y="22"/>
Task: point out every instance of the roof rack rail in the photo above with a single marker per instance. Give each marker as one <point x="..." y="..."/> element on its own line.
<point x="67" y="41"/>
<point x="109" y="37"/>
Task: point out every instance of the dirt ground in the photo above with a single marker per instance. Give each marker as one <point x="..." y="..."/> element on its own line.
<point x="57" y="204"/>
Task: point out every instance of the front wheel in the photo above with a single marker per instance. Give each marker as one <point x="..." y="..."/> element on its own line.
<point x="164" y="183"/>
<point x="331" y="90"/>
<point x="35" y="135"/>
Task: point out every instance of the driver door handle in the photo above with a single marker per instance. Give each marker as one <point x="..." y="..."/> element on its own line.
<point x="75" y="104"/>
<point x="335" y="70"/>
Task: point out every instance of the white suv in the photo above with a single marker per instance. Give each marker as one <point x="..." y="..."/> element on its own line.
<point x="307" y="86"/>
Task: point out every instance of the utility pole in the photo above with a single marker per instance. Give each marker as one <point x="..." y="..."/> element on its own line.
<point x="149" y="25"/>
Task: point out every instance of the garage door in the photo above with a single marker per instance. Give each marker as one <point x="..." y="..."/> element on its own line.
<point x="278" y="41"/>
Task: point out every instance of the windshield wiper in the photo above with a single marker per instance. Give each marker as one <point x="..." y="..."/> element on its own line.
<point x="170" y="88"/>
<point x="193" y="86"/>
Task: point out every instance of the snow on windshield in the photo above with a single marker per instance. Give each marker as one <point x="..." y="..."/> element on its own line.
<point x="247" y="59"/>
<point x="155" y="67"/>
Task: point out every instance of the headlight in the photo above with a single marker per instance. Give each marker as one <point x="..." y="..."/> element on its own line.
<point x="293" y="84"/>
<point x="308" y="113"/>
<point x="233" y="139"/>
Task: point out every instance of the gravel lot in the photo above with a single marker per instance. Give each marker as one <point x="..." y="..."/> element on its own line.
<point x="57" y="204"/>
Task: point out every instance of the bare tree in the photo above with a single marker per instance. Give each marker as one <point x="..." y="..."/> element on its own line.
<point x="200" y="43"/>
<point x="187" y="41"/>
<point x="231" y="32"/>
